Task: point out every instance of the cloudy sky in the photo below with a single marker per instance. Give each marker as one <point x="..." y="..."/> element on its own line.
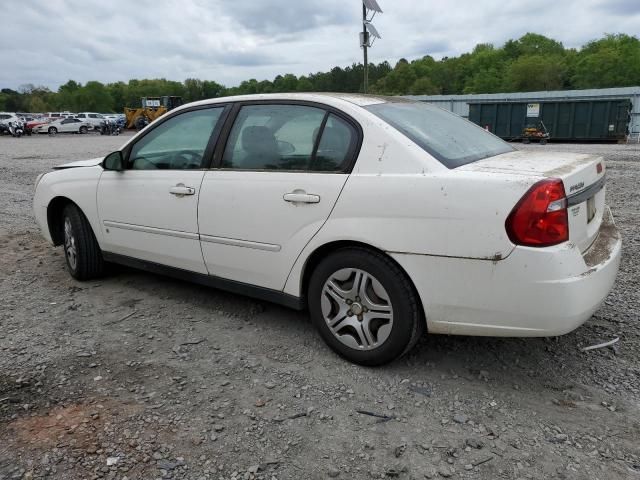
<point x="47" y="42"/>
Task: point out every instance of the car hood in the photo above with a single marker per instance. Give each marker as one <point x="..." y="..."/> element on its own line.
<point x="93" y="162"/>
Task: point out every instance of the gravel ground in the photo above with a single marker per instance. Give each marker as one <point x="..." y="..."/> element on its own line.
<point x="140" y="376"/>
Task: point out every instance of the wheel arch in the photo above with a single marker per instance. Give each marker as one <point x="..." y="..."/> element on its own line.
<point x="54" y="217"/>
<point x="322" y="251"/>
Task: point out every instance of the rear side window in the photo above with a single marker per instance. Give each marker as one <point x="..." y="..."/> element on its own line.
<point x="449" y="138"/>
<point x="336" y="145"/>
<point x="289" y="137"/>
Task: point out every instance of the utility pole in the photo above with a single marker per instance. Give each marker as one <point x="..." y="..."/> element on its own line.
<point x="365" y="45"/>
<point x="368" y="31"/>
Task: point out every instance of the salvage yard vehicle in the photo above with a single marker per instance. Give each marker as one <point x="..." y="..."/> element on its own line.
<point x="383" y="216"/>
<point x="63" y="125"/>
<point x="94" y="119"/>
<point x="31" y="125"/>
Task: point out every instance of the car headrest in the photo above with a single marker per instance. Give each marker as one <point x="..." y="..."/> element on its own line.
<point x="258" y="139"/>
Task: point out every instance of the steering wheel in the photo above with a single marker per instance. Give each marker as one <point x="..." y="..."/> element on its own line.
<point x="186" y="160"/>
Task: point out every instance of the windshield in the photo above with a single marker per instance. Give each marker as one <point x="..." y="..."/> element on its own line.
<point x="451" y="139"/>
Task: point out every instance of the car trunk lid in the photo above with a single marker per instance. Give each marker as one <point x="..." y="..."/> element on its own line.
<point x="582" y="176"/>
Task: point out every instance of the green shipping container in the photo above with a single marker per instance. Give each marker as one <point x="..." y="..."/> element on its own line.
<point x="584" y="121"/>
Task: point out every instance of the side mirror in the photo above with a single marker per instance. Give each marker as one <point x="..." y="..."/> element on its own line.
<point x="114" y="162"/>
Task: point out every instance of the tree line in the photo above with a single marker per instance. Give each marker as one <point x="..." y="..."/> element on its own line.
<point x="532" y="62"/>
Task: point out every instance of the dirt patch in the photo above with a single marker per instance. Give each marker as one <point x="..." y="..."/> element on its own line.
<point x="75" y="423"/>
<point x="602" y="248"/>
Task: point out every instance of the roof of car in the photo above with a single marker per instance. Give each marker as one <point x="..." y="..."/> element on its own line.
<point x="358" y="99"/>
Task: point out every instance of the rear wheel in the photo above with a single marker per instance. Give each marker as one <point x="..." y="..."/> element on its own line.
<point x="81" y="250"/>
<point x="364" y="306"/>
<point x="83" y="129"/>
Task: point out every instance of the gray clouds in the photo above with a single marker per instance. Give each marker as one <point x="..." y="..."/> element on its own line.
<point x="51" y="41"/>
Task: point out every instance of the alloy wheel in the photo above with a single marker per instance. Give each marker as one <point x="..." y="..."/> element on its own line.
<point x="70" y="248"/>
<point x="357" y="309"/>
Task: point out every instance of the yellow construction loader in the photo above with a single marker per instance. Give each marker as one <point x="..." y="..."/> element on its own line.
<point x="152" y="108"/>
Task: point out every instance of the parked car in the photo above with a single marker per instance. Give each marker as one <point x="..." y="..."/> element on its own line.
<point x="30" y="125"/>
<point x="56" y="115"/>
<point x="383" y="216"/>
<point x="6" y="117"/>
<point x="63" y="125"/>
<point x="95" y="119"/>
<point x="12" y="124"/>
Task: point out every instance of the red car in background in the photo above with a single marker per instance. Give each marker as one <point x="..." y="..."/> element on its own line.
<point x="30" y="125"/>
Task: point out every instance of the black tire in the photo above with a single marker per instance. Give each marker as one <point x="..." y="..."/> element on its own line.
<point x="88" y="262"/>
<point x="83" y="130"/>
<point x="52" y="130"/>
<point x="543" y="141"/>
<point x="408" y="319"/>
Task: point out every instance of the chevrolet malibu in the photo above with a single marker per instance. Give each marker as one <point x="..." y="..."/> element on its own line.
<point x="384" y="217"/>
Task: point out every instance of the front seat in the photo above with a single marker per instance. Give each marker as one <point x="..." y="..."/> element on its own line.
<point x="261" y="148"/>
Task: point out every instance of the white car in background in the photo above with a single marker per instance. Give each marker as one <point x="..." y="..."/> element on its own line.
<point x="94" y="119"/>
<point x="383" y="216"/>
<point x="63" y="125"/>
<point x="7" y="117"/>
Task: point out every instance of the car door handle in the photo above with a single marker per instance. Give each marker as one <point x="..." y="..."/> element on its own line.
<point x="300" y="196"/>
<point x="180" y="190"/>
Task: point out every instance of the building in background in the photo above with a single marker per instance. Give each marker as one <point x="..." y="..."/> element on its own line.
<point x="606" y="114"/>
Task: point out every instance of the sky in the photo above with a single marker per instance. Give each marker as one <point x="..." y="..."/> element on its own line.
<point x="47" y="42"/>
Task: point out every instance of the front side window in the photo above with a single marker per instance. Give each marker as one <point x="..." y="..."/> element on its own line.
<point x="81" y="115"/>
<point x="178" y="143"/>
<point x="449" y="138"/>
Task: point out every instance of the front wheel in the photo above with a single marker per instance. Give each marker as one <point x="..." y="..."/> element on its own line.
<point x="83" y="130"/>
<point x="364" y="306"/>
<point x="53" y="130"/>
<point x="81" y="250"/>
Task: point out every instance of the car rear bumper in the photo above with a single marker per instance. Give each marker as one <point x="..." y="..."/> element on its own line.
<point x="532" y="292"/>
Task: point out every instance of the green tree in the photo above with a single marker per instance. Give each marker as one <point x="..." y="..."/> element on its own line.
<point x="423" y="86"/>
<point x="94" y="97"/>
<point x="486" y="66"/>
<point x="613" y="61"/>
<point x="533" y="44"/>
<point x="304" y="85"/>
<point x="535" y="72"/>
<point x="531" y="62"/>
<point x="398" y="81"/>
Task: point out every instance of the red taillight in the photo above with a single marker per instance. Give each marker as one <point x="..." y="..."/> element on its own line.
<point x="540" y="218"/>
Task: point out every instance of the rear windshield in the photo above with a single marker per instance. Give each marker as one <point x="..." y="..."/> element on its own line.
<point x="451" y="139"/>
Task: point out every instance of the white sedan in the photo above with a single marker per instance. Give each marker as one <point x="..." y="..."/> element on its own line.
<point x="384" y="217"/>
<point x="64" y="125"/>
